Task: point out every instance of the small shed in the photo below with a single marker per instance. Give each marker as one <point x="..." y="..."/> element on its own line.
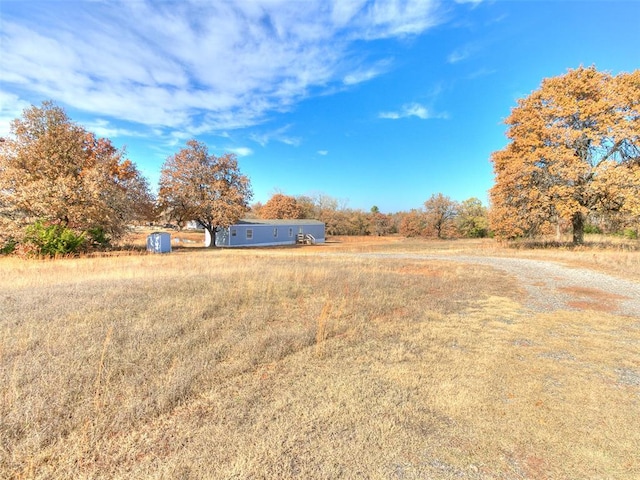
<point x="159" y="242"/>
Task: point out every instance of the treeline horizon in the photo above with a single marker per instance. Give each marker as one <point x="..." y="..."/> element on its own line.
<point x="64" y="190"/>
<point x="572" y="164"/>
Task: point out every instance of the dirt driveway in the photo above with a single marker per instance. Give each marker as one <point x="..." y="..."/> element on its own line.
<point x="551" y="286"/>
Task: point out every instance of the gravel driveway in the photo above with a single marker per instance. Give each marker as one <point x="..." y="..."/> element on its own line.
<point x="552" y="286"/>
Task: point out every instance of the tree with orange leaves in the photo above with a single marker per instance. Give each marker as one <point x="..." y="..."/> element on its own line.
<point x="196" y="185"/>
<point x="281" y="206"/>
<point x="440" y="214"/>
<point x="413" y="223"/>
<point x="574" y="149"/>
<point x="54" y="171"/>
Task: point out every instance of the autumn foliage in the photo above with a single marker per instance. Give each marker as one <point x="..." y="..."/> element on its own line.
<point x="574" y="151"/>
<point x="281" y="206"/>
<point x="440" y="212"/>
<point x="196" y="185"/>
<point x="413" y="224"/>
<point x="55" y="172"/>
<point x="443" y="217"/>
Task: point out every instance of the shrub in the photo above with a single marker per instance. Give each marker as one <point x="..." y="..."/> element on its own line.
<point x="98" y="238"/>
<point x="8" y="247"/>
<point x="628" y="233"/>
<point x="589" y="228"/>
<point x="477" y="230"/>
<point x="49" y="240"/>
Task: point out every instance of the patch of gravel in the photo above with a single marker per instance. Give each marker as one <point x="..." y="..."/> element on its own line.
<point x="547" y="283"/>
<point x="626" y="376"/>
<point x="557" y="355"/>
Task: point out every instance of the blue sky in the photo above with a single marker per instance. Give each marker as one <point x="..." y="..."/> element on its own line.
<point x="371" y="102"/>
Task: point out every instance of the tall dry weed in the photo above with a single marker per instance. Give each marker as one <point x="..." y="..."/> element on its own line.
<point x="321" y="329"/>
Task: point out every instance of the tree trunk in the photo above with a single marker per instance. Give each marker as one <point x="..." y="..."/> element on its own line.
<point x="212" y="234"/>
<point x="578" y="228"/>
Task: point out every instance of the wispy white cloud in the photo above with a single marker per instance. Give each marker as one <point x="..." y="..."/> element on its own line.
<point x="389" y="115"/>
<point x="416" y="110"/>
<point x="323" y="152"/>
<point x="293" y="141"/>
<point x="241" y="151"/>
<point x="360" y="76"/>
<point x="104" y="128"/>
<point x="458" y="55"/>
<point x="474" y="2"/>
<point x="365" y="74"/>
<point x="462" y="53"/>
<point x="385" y="19"/>
<point x="196" y="66"/>
<point x="342" y="12"/>
<point x="411" y="110"/>
<point x="482" y="72"/>
<point x="281" y="135"/>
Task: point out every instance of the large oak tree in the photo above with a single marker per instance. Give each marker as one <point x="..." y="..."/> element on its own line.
<point x="574" y="149"/>
<point x="195" y="185"/>
<point x="53" y="170"/>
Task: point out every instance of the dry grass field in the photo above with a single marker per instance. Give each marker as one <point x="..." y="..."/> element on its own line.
<point x="296" y="363"/>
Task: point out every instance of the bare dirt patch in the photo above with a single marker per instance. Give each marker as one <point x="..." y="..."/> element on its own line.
<point x="593" y="299"/>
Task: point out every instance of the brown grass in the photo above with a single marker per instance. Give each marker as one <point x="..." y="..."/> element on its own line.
<point x="286" y="364"/>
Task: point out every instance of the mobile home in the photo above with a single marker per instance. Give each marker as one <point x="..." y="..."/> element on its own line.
<point x="262" y="233"/>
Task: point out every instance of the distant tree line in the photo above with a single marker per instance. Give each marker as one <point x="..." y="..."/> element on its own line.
<point x="440" y="217"/>
<point x="572" y="164"/>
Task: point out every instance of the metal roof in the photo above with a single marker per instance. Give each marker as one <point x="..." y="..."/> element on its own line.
<point x="279" y="222"/>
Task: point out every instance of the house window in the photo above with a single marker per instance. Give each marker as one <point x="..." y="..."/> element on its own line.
<point x="290" y="232"/>
<point x="234" y="232"/>
<point x="275" y="232"/>
<point x="249" y="233"/>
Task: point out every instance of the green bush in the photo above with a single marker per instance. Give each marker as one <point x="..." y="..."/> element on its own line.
<point x="477" y="231"/>
<point x="588" y="228"/>
<point x="49" y="240"/>
<point x="630" y="233"/>
<point x="98" y="238"/>
<point x="8" y="247"/>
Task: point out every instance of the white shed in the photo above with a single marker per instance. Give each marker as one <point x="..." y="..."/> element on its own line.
<point x="159" y="242"/>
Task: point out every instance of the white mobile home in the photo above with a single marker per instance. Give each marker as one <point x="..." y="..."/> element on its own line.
<point x="262" y="233"/>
